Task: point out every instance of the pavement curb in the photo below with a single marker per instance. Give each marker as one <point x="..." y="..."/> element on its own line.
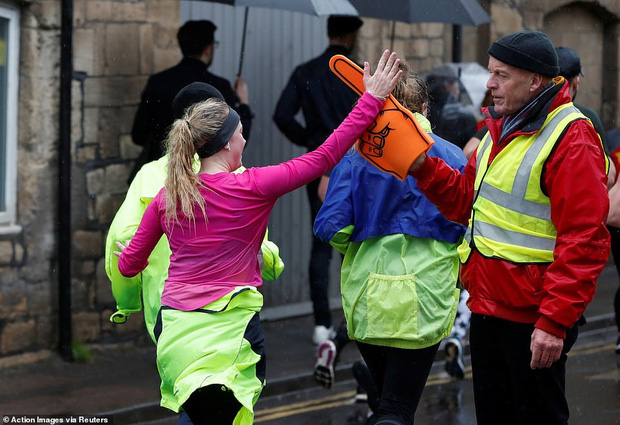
<point x="152" y="411"/>
<point x="148" y="412"/>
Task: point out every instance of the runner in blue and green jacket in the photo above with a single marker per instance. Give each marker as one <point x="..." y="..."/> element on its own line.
<point x="400" y="267"/>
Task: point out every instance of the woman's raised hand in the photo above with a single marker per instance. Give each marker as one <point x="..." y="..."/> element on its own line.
<point x="385" y="77"/>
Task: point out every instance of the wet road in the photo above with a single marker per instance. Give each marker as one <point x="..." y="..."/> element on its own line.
<point x="593" y="392"/>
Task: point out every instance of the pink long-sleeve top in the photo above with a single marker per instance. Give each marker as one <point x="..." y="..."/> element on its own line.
<point x="213" y="255"/>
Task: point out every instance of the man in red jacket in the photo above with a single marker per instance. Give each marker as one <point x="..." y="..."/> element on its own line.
<point x="534" y="196"/>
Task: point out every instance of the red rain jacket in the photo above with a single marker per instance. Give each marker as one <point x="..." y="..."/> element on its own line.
<point x="552" y="296"/>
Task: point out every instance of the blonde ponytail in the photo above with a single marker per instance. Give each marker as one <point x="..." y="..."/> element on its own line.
<point x="197" y="127"/>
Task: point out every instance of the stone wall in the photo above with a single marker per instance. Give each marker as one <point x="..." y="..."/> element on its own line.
<point x="117" y="45"/>
<point x="589" y="27"/>
<point x="27" y="321"/>
<point x="423" y="46"/>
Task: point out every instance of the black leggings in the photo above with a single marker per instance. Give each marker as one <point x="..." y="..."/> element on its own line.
<point x="212" y="405"/>
<point x="400" y="376"/>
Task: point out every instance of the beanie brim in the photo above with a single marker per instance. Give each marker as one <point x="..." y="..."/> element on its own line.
<point x="522" y="60"/>
<point x="529" y="50"/>
<point x="192" y="94"/>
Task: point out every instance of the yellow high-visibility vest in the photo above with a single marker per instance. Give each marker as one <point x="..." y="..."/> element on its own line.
<point x="511" y="216"/>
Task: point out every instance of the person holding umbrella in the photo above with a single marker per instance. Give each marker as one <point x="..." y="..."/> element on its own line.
<point x="210" y="346"/>
<point x="154" y="115"/>
<point x="535" y="198"/>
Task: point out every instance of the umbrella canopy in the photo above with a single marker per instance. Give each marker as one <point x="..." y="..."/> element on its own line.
<point x="311" y="7"/>
<point x="456" y="12"/>
<point x="473" y="78"/>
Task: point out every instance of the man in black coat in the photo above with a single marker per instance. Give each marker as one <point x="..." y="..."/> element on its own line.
<point x="154" y="115"/>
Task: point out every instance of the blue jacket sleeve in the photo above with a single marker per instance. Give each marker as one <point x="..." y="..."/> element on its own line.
<point x="336" y="214"/>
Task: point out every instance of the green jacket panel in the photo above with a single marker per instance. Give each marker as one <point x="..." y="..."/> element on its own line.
<point x="399" y="290"/>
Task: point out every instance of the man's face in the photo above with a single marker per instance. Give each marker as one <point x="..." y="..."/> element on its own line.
<point x="574" y="86"/>
<point x="512" y="88"/>
<point x="208" y="54"/>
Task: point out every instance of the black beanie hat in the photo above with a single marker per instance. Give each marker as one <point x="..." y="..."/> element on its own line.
<point x="192" y="94"/>
<point x="570" y="64"/>
<point x="529" y="50"/>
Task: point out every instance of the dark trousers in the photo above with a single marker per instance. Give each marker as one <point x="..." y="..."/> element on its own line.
<point x="506" y="390"/>
<point x="320" y="259"/>
<point x="400" y="376"/>
<point x="212" y="405"/>
<point x="615" y="252"/>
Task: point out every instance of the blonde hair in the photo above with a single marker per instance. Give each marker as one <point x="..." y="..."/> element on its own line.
<point x="410" y="90"/>
<point x="198" y="127"/>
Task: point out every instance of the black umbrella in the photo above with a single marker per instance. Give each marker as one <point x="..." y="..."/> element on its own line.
<point x="312" y="7"/>
<point x="455" y="12"/>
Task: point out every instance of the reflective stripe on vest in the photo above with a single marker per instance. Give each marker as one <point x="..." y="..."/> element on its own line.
<point x="506" y="224"/>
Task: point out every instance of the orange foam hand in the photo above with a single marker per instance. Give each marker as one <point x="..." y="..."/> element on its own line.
<point x="395" y="138"/>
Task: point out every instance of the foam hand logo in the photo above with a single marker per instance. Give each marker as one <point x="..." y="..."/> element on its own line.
<point x="395" y="138"/>
<point x="372" y="142"/>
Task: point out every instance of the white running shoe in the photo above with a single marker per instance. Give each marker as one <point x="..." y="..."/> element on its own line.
<point x="324" y="367"/>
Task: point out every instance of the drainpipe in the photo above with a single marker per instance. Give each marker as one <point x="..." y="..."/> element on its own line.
<point x="64" y="183"/>
<point x="457" y="43"/>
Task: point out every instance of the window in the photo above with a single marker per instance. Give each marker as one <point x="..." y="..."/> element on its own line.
<point x="9" y="56"/>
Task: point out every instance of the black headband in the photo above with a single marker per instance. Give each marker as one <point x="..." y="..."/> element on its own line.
<point x="222" y="136"/>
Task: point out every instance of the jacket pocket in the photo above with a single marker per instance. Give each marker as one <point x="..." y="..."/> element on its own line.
<point x="392" y="305"/>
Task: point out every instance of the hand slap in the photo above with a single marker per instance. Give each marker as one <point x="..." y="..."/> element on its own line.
<point x="382" y="82"/>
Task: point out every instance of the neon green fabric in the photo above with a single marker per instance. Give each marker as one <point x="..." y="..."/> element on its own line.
<point x="197" y="349"/>
<point x="511" y="216"/>
<point x="341" y="239"/>
<point x="144" y="290"/>
<point x="272" y="265"/>
<point x="423" y="272"/>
